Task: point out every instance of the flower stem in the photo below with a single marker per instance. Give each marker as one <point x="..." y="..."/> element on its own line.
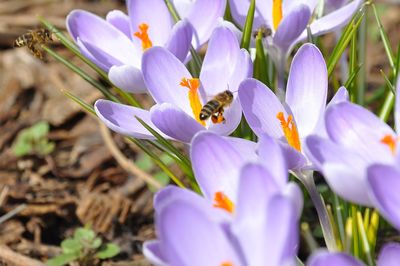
<point x="327" y="228"/>
<point x="280" y="89"/>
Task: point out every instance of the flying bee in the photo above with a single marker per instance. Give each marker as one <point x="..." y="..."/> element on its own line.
<point x="215" y="107"/>
<point x="33" y="39"/>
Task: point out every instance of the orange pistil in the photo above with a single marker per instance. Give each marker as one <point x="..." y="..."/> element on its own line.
<point x="226" y="264"/>
<point x="193" y="86"/>
<point x="391" y="142"/>
<point x="144" y="36"/>
<point x="289" y="130"/>
<point x="276" y="13"/>
<point x="222" y="201"/>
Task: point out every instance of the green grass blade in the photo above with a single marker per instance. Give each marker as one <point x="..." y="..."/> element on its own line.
<point x="81" y="73"/>
<point x="260" y="69"/>
<point x="89" y="108"/>
<point x="157" y="160"/>
<point x="248" y="26"/>
<point x="388" y="83"/>
<point x="385" y="39"/>
<point x="347" y="35"/>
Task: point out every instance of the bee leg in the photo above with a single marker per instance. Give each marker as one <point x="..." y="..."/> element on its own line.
<point x="35" y="51"/>
<point x="218" y="117"/>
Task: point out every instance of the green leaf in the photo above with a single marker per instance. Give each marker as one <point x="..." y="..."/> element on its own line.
<point x="39" y="130"/>
<point x="260" y="62"/>
<point x="108" y="251"/>
<point x="21" y="148"/>
<point x="84" y="234"/>
<point x="71" y="245"/>
<point x="62" y="259"/>
<point x="162" y="177"/>
<point x="96" y="243"/>
<point x="248" y="26"/>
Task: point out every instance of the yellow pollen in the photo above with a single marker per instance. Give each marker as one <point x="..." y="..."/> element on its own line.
<point x="144" y="36"/>
<point x="227" y="263"/>
<point x="276" y="13"/>
<point x="193" y="86"/>
<point x="222" y="201"/>
<point x="391" y="142"/>
<point x="289" y="130"/>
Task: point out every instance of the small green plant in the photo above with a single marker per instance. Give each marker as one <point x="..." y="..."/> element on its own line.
<point x="33" y="140"/>
<point x="85" y="247"/>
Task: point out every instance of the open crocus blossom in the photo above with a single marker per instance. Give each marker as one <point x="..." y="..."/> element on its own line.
<point x="258" y="225"/>
<point x="179" y="97"/>
<point x="357" y="140"/>
<point x="302" y="113"/>
<point x="218" y="165"/>
<point x="389" y="256"/>
<point x="285" y="22"/>
<point x="117" y="43"/>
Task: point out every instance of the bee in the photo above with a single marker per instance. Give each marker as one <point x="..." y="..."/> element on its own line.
<point x="33" y="39"/>
<point x="215" y="107"/>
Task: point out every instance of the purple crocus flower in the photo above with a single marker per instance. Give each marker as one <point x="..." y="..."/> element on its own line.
<point x="286" y="21"/>
<point x="302" y="113"/>
<point x="264" y="228"/>
<point x="357" y="140"/>
<point x="179" y="97"/>
<point x="218" y="163"/>
<point x="389" y="256"/>
<point x="117" y="43"/>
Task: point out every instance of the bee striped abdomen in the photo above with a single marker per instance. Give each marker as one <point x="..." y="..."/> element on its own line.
<point x="208" y="109"/>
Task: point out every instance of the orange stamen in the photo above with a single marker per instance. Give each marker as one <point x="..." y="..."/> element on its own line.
<point x="226" y="264"/>
<point x="222" y="201"/>
<point x="193" y="86"/>
<point x="144" y="36"/>
<point x="391" y="142"/>
<point x="276" y="13"/>
<point x="289" y="130"/>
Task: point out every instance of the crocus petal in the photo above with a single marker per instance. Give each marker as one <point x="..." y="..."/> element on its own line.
<point x="204" y="16"/>
<point x="342" y="95"/>
<point x="243" y="69"/>
<point x="271" y="155"/>
<point x="102" y="38"/>
<point x="343" y="169"/>
<point x="325" y="258"/>
<point x="332" y="21"/>
<point x="397" y="106"/>
<point x="355" y="127"/>
<point x="295" y="160"/>
<point x="256" y="188"/>
<point x="128" y="78"/>
<point x="152" y="252"/>
<point x="121" y="118"/>
<point x="335" y="4"/>
<point x="220" y="60"/>
<point x="389" y="255"/>
<point x="216" y="164"/>
<point x="254" y="97"/>
<point x="269" y="235"/>
<point x="288" y="5"/>
<point x="233" y="115"/>
<point x="119" y="20"/>
<point x="155" y="14"/>
<point x="174" y="122"/>
<point x="262" y="15"/>
<point x="180" y="39"/>
<point x="384" y="183"/>
<point x="195" y="238"/>
<point x="307" y="88"/>
<point x="291" y="26"/>
<point x="293" y="192"/>
<point x="162" y="73"/>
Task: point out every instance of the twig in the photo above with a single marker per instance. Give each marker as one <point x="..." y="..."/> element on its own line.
<point x="123" y="161"/>
<point x="11" y="213"/>
<point x="13" y="258"/>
